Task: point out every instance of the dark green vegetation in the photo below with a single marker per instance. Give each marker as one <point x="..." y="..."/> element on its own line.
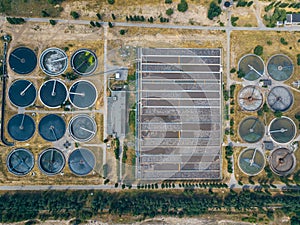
<point x="213" y="11"/>
<point x="282" y="5"/>
<point x="169" y="11"/>
<point x="228" y="157"/>
<point x="52" y="22"/>
<point x="182" y="6"/>
<point x="74" y="14"/>
<point x="82" y="205"/>
<point x="278" y="15"/>
<point x="258" y="50"/>
<point x="14" y="20"/>
<point x="31" y="8"/>
<point x="233" y="20"/>
<point x="298" y="59"/>
<point x="111" y="2"/>
<point x="243" y="3"/>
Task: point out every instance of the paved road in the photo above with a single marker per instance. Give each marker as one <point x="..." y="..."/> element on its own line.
<point x="167" y="26"/>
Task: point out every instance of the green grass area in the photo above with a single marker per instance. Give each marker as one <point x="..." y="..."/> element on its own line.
<point x="132" y="119"/>
<point x="28" y="8"/>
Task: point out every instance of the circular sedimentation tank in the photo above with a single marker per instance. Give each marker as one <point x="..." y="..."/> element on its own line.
<point x="280" y="99"/>
<point x="21" y="127"/>
<point x="22" y="60"/>
<point x="251" y="161"/>
<point x="251" y="130"/>
<point x="282" y="130"/>
<point x="82" y="128"/>
<point x="250" y="98"/>
<point x="83" y="94"/>
<point x="22" y="93"/>
<point x="51" y="161"/>
<point x="84" y="62"/>
<point x="282" y="161"/>
<point x="252" y="66"/>
<point x="52" y="127"/>
<point x="53" y="93"/>
<point x="53" y="61"/>
<point x="81" y="161"/>
<point x="20" y="161"/>
<point x="280" y="67"/>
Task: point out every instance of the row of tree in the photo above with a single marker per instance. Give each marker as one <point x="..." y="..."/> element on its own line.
<point x="84" y="205"/>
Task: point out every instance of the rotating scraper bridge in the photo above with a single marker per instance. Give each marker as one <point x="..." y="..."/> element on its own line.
<point x="179" y="114"/>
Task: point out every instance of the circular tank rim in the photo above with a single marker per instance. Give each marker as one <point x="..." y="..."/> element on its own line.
<point x="251" y="117"/>
<point x="79" y="51"/>
<point x="86" y="116"/>
<point x="271" y="57"/>
<point x="279" y="143"/>
<point x="22" y="46"/>
<point x="283" y="173"/>
<point x="55" y="114"/>
<point x="42" y="65"/>
<point x="33" y="124"/>
<point x="260" y="169"/>
<point x="79" y="175"/>
<point x="9" y="155"/>
<point x="36" y="93"/>
<point x="57" y="80"/>
<point x="251" y="54"/>
<point x="288" y="91"/>
<point x="261" y="94"/>
<point x="96" y="97"/>
<point x="42" y="153"/>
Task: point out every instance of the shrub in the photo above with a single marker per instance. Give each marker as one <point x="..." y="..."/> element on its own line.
<point x="74" y="14"/>
<point x="241" y="74"/>
<point x="14" y="20"/>
<point x="283" y="41"/>
<point x="169" y="11"/>
<point x="241" y="3"/>
<point x="182" y="6"/>
<point x="249" y="3"/>
<point x="122" y="32"/>
<point x="269" y="43"/>
<point x="298" y="59"/>
<point x="278" y="114"/>
<point x="99" y="16"/>
<point x="52" y="22"/>
<point x="92" y="24"/>
<point x="45" y="14"/>
<point x="168" y="1"/>
<point x="233" y="70"/>
<point x="213" y="11"/>
<point x="233" y="20"/>
<point x="111" y="2"/>
<point x="258" y="50"/>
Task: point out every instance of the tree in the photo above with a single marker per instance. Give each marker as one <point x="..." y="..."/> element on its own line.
<point x="113" y="16"/>
<point x="278" y="113"/>
<point x="168" y="1"/>
<point x="92" y="24"/>
<point x="241" y="74"/>
<point x="99" y="16"/>
<point x="52" y="22"/>
<point x="169" y="11"/>
<point x="182" y="6"/>
<point x="74" y="14"/>
<point x="122" y="32"/>
<point x="258" y="50"/>
<point x="298" y="59"/>
<point x="45" y="14"/>
<point x="110" y="25"/>
<point x="111" y="2"/>
<point x="213" y="11"/>
<point x="233" y="70"/>
<point x="98" y="24"/>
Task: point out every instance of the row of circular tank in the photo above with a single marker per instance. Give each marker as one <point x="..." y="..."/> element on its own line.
<point x="53" y="93"/>
<point x="82" y="128"/>
<point x="279" y="67"/>
<point x="51" y="161"/>
<point x="53" y="61"/>
<point x="279" y="98"/>
<point x="282" y="161"/>
<point x="281" y="130"/>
